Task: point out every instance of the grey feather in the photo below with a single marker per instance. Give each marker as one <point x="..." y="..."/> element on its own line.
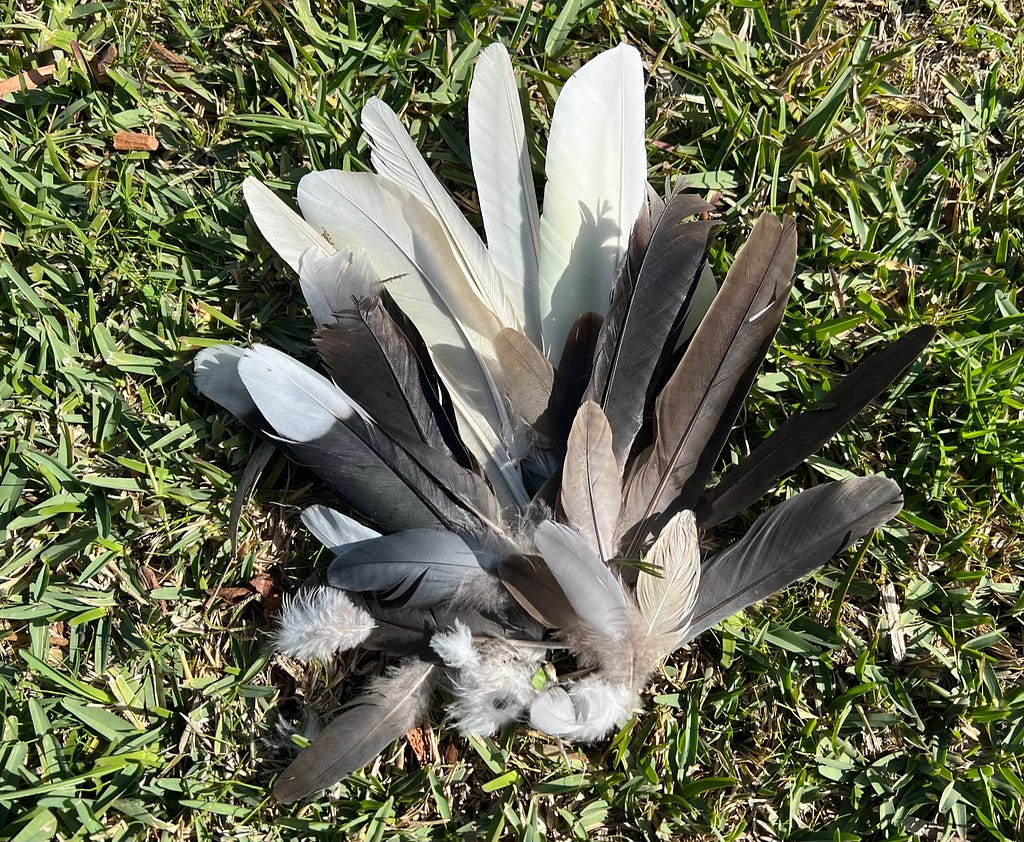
<point x="416" y="568"/>
<point x="592" y="589"/>
<point x="331" y="283"/>
<point x="695" y="411"/>
<point x="374" y="721"/>
<point x="789" y="541"/>
<point x="333" y="529"/>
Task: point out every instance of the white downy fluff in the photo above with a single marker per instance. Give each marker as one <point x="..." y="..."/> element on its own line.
<point x="315" y="624"/>
<point x="493" y="685"/>
<point x="585" y="710"/>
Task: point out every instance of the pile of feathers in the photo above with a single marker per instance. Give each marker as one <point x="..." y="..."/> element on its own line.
<point x="525" y="433"/>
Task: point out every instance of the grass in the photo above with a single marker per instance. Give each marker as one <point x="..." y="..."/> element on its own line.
<point x="882" y="699"/>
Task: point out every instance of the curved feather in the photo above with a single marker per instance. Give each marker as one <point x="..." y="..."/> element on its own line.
<point x="591" y="493"/>
<point x="416" y="568"/>
<point x="396" y="157"/>
<point x="667" y="600"/>
<point x="596" y="171"/>
<point x="374" y="721"/>
<point x="504" y="182"/>
<point x="592" y="589"/>
<point x="788" y="542"/>
<point x="287" y="232"/>
<point x="333" y="529"/>
<point x="405" y="245"/>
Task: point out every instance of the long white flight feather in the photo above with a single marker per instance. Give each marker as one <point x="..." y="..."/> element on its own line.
<point x="504" y="182"/>
<point x="404" y="244"/>
<point x="596" y="182"/>
<point x="396" y="157"/>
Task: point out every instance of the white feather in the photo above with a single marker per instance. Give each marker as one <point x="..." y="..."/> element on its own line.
<point x="504" y="182"/>
<point x="287" y="232"/>
<point x="331" y="283"/>
<point x="666" y="602"/>
<point x="315" y="624"/>
<point x="586" y="711"/>
<point x="405" y="246"/>
<point x="396" y="157"/>
<point x="333" y="529"/>
<point x="596" y="182"/>
<point x="217" y="377"/>
<point x="493" y="682"/>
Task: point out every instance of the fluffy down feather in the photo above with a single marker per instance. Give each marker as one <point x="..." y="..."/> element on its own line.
<point x="316" y="624"/>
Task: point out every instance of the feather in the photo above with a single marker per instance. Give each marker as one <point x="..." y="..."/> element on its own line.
<point x="529" y="378"/>
<point x="396" y="157"/>
<point x="316" y="624"/>
<point x="404" y="243"/>
<point x="504" y="182"/>
<point x="789" y="541"/>
<point x="651" y="295"/>
<point x="591" y="588"/>
<point x="695" y="411"/>
<point x="216" y="377"/>
<point x="596" y="171"/>
<point x="586" y="711"/>
<point x="666" y="600"/>
<point x="530" y="582"/>
<point x="397" y="486"/>
<point x="331" y="284"/>
<point x="590" y="481"/>
<point x="333" y="529"/>
<point x="492" y="685"/>
<point x="369" y="357"/>
<point x="416" y="568"/>
<point x="805" y="432"/>
<point x="375" y="720"/>
<point x="287" y="232"/>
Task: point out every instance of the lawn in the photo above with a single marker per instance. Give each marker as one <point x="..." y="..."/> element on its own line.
<point x="881" y="698"/>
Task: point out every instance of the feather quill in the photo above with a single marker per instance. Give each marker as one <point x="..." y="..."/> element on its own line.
<point x="805" y="432"/>
<point x="396" y="157"/>
<point x="596" y="171"/>
<point x="788" y="542"/>
<point x="375" y="720"/>
<point x="504" y="182"/>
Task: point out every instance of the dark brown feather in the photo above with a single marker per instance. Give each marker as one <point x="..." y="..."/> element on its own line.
<point x="805" y="432"/>
<point x="530" y="582"/>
